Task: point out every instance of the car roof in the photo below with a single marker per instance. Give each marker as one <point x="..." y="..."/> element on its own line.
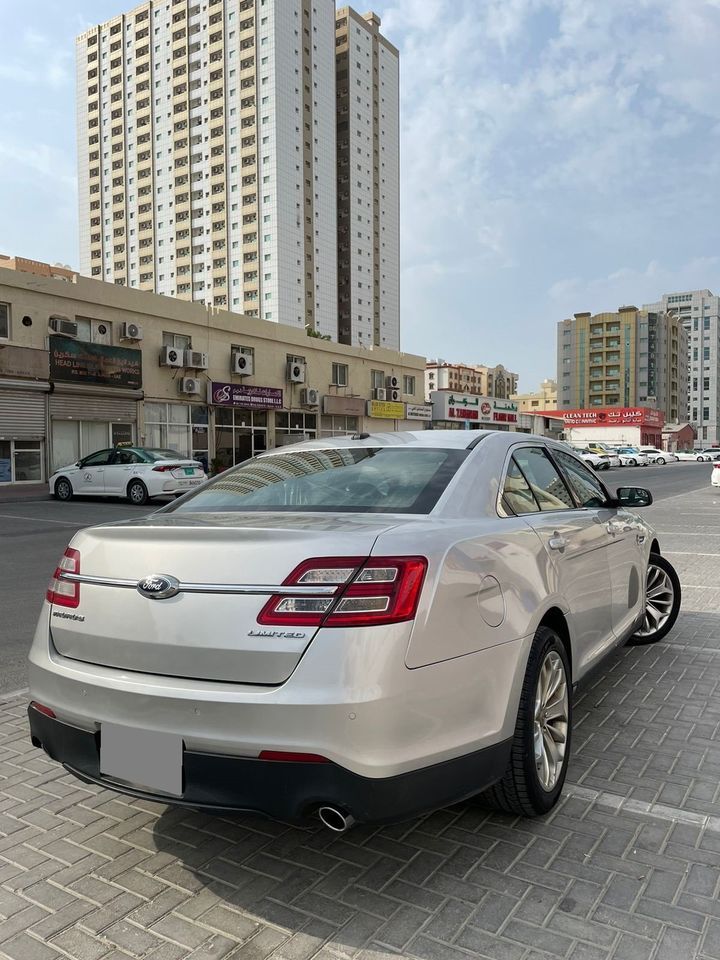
<point x="446" y="439"/>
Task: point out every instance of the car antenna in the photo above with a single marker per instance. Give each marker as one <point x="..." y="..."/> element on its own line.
<point x="360" y="436"/>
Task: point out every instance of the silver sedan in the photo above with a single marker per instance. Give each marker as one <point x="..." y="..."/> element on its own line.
<point x="360" y="629"/>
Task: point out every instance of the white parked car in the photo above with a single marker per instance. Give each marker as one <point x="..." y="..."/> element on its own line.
<point x="632" y="457"/>
<point x="595" y="460"/>
<point x="693" y="455"/>
<point x="138" y="473"/>
<point x="658" y="456"/>
<point x="358" y="628"/>
<point x="711" y="453"/>
<point x="715" y="475"/>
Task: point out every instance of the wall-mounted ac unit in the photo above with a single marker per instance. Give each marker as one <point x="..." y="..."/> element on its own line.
<point x="310" y="397"/>
<point x="242" y="363"/>
<point x="380" y="394"/>
<point x="392" y="383"/>
<point x="189" y="385"/>
<point x="196" y="360"/>
<point x="68" y="328"/>
<point x="296" y="372"/>
<point x="131" y="331"/>
<point x="392" y="394"/>
<point x="172" y="357"/>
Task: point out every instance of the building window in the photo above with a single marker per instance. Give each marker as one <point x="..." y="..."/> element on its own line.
<point x="706" y="413"/>
<point x="706" y="353"/>
<point x="294" y="427"/>
<point x="176" y="340"/>
<point x="377" y="379"/>
<point x="409" y="386"/>
<point x="4" y="321"/>
<point x="21" y="461"/>
<point x="338" y="426"/>
<point x="178" y="426"/>
<point x="339" y="375"/>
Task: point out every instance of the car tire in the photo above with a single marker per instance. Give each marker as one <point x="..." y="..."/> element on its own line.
<point x="137" y="493"/>
<point x="664" y="581"/>
<point x="632" y="463"/>
<point x="660" y="460"/>
<point x="521" y="790"/>
<point x="63" y="489"/>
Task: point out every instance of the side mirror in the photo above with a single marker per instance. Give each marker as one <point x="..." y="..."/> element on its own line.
<point x="634" y="497"/>
<point x="78" y="463"/>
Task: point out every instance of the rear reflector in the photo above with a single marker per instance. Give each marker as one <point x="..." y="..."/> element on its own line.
<point x="369" y="592"/>
<point x="64" y="593"/>
<point x="283" y="757"/>
<point x="41" y="708"/>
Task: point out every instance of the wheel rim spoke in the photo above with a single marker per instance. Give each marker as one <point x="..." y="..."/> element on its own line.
<point x="550" y="721"/>
<point x="659" y="601"/>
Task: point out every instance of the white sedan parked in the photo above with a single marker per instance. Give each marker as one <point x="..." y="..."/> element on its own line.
<point x="697" y="455"/>
<point x="137" y="473"/>
<point x="658" y="456"/>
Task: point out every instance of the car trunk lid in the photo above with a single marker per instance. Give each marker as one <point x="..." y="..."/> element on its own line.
<point x="209" y="632"/>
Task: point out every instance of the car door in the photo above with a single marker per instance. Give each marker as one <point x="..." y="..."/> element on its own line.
<point x="626" y="538"/>
<point x="578" y="544"/>
<point x="119" y="470"/>
<point x="90" y="478"/>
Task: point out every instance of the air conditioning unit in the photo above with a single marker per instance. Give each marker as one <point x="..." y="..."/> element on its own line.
<point x="392" y="383"/>
<point x="296" y="371"/>
<point x="172" y="357"/>
<point x="131" y="331"/>
<point x="189" y="385"/>
<point x="380" y="394"/>
<point x="392" y="395"/>
<point x="196" y="360"/>
<point x="68" y="328"/>
<point x="310" y="397"/>
<point x="242" y="363"/>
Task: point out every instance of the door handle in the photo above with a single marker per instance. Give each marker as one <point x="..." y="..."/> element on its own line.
<point x="557" y="542"/>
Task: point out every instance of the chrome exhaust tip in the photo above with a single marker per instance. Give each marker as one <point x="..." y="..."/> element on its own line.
<point x="335" y="819"/>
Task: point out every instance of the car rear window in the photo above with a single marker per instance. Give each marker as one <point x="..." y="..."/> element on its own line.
<point x="155" y="454"/>
<point x="347" y="480"/>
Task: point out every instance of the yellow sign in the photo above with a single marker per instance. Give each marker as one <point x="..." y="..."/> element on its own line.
<point x="386" y="409"/>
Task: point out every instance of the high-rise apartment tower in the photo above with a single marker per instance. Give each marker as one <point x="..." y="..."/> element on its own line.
<point x="368" y="182"/>
<point x="207" y="155"/>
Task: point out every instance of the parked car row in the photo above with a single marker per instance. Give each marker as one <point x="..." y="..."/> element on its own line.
<point x="602" y="456"/>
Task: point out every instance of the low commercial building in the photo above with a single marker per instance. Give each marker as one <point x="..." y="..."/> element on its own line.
<point x="678" y="436"/>
<point x="86" y="365"/>
<point x="543" y="399"/>
<point x="634" y="426"/>
<point x="457" y="410"/>
<point x="477" y="379"/>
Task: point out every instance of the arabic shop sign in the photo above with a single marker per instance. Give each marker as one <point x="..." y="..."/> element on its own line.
<point x="74" y="361"/>
<point x="611" y="417"/>
<point x="386" y="409"/>
<point x="250" y="398"/>
<point x="467" y="406"/>
<point x="418" y="411"/>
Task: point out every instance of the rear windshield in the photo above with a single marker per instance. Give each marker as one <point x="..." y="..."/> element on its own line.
<point x="357" y="480"/>
<point x="163" y="454"/>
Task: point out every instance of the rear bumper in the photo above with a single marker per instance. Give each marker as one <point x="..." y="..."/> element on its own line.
<point x="285" y="791"/>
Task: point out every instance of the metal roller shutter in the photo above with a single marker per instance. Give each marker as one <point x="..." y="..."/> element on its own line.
<point x="93" y="408"/>
<point x="22" y="415"/>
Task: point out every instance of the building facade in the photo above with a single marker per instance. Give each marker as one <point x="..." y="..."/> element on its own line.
<point x="544" y="399"/>
<point x="368" y="182"/>
<point x="88" y="365"/>
<point x="38" y="268"/>
<point x="699" y="313"/>
<point x="466" y="378"/>
<point x="207" y="161"/>
<point x="624" y="359"/>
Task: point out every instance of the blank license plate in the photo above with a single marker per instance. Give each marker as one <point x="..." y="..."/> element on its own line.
<point x="143" y="758"/>
<point x="189" y="471"/>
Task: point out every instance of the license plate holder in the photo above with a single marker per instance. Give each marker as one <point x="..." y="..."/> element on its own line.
<point x="147" y="759"/>
<point x="189" y="471"/>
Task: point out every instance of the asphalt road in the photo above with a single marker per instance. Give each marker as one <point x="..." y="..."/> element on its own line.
<point x="33" y="536"/>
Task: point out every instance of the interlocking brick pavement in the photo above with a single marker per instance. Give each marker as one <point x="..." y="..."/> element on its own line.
<point x="627" y="867"/>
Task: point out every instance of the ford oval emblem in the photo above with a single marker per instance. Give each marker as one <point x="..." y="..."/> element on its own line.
<point x="158" y="587"/>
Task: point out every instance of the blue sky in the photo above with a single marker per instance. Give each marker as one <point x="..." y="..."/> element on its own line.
<point x="557" y="156"/>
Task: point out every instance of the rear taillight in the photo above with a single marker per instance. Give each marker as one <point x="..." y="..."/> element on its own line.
<point x="367" y="592"/>
<point x="65" y="593"/>
<point x="166" y="467"/>
<point x="41" y="708"/>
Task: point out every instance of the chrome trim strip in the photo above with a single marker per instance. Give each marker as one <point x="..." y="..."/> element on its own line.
<point x="248" y="589"/>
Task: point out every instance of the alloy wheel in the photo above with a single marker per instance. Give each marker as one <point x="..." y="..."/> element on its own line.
<point x="550" y="730"/>
<point x="659" y="599"/>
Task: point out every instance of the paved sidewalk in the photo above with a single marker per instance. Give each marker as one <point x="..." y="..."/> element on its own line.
<point x="19" y="492"/>
<point x="627" y="867"/>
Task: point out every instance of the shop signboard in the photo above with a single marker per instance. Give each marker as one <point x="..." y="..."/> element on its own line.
<point x="386" y="410"/>
<point x="239" y="395"/>
<point x="74" y="361"/>
<point x="335" y="406"/>
<point x="610" y="417"/>
<point x="419" y="411"/>
<point x="448" y="405"/>
<point x="23" y="362"/>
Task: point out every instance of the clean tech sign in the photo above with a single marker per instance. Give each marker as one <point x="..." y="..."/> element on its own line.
<point x="74" y="361"/>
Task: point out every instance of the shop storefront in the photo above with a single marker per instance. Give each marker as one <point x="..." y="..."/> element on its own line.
<point x="183" y="427"/>
<point x="635" y="426"/>
<point x="466" y="411"/>
<point x="94" y="396"/>
<point x="23" y="414"/>
<point x="341" y="416"/>
<point x="241" y="421"/>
